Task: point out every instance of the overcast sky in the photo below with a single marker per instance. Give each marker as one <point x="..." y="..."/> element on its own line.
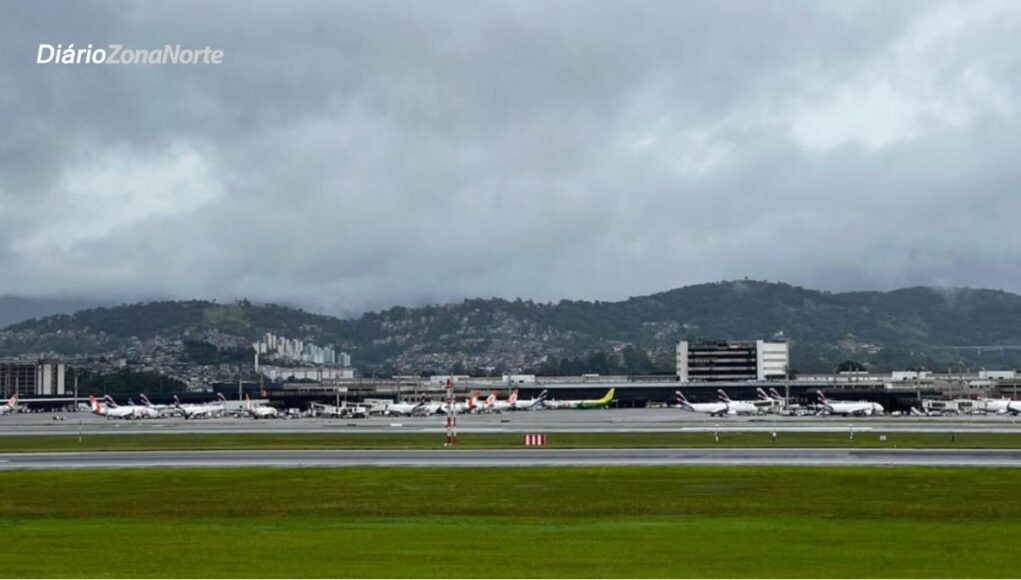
<point x="351" y="156"/>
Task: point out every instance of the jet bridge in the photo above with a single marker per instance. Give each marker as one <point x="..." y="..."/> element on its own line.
<point x="342" y="411"/>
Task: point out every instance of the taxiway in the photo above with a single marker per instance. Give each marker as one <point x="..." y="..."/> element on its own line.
<point x="551" y="421"/>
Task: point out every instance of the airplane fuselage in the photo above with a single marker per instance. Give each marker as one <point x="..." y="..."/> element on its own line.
<point x="865" y="408"/>
<point x="717" y="409"/>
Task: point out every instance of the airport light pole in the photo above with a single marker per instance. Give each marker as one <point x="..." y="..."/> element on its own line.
<point x="787" y="383"/>
<point x="451" y="419"/>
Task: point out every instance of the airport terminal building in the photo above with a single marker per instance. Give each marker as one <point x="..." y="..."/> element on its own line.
<point x="31" y="379"/>
<point x="749" y="360"/>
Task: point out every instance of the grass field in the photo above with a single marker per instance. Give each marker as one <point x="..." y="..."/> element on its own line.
<point x="184" y="441"/>
<point x="512" y="522"/>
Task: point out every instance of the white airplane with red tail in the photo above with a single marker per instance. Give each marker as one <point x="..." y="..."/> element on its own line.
<point x="260" y="411"/>
<point x="11" y="406"/>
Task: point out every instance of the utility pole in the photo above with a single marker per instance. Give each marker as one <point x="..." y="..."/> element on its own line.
<point x="451" y="419"/>
<point x="787" y="384"/>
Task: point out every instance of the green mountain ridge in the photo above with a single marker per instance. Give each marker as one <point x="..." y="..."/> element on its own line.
<point x="884" y="330"/>
<point x="14" y="309"/>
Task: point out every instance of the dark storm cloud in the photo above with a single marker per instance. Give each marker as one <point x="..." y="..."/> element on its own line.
<point x="356" y="155"/>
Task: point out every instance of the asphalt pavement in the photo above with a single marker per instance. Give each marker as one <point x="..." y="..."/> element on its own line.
<point x="514" y="457"/>
<point x="549" y="421"/>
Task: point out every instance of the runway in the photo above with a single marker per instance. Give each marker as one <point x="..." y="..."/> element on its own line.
<point x="537" y="457"/>
<point x="579" y="421"/>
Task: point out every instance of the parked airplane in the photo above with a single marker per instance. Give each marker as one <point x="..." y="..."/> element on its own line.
<point x="469" y="405"/>
<point x="111" y="410"/>
<point x="1002" y="406"/>
<point x="716" y="409"/>
<point x="161" y="410"/>
<point x="772" y="395"/>
<point x="846" y="408"/>
<point x="770" y="402"/>
<point x="399" y="408"/>
<point x="134" y="411"/>
<point x="431" y="407"/>
<point x="11" y="406"/>
<point x="487" y="404"/>
<point x="204" y="410"/>
<point x="261" y="411"/>
<point x="493" y="404"/>
<point x="529" y="404"/>
<point x="585" y="403"/>
<point x="738" y="407"/>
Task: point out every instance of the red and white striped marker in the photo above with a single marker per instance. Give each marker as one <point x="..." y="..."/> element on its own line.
<point x="534" y="439"/>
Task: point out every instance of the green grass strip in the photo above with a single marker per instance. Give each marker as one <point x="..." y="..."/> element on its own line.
<point x="186" y="441"/>
<point x="512" y="522"/>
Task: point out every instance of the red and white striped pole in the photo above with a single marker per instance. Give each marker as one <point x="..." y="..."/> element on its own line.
<point x="451" y="418"/>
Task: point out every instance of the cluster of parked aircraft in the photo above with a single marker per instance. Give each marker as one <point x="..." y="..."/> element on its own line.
<point x="492" y="404"/>
<point x="764" y="403"/>
<point x="472" y="404"/>
<point x="772" y="402"/>
<point x="109" y="408"/>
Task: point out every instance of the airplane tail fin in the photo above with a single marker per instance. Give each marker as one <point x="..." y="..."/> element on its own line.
<point x="609" y="395"/>
<point x="110" y="402"/>
<point x="723" y="395"/>
<point x="490" y="399"/>
<point x="13" y="401"/>
<point x="94" y="404"/>
<point x="681" y="398"/>
<point x="220" y="398"/>
<point x="822" y="398"/>
<point x="177" y="402"/>
<point x="542" y="396"/>
<point x="773" y="393"/>
<point x="761" y="394"/>
<point x="513" y="397"/>
<point x="145" y="400"/>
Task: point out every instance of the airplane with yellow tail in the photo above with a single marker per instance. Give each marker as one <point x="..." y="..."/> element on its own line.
<point x="584" y="403"/>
